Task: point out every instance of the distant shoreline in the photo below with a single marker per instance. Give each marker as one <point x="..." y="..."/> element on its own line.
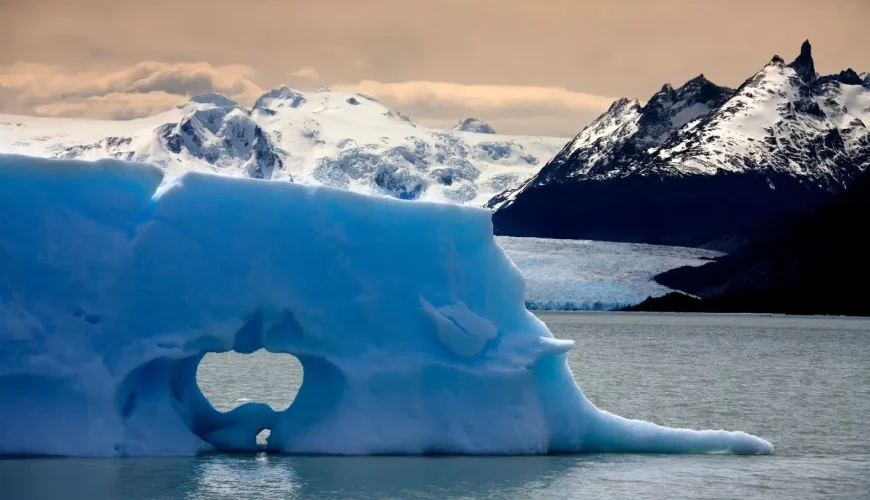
<point x="677" y="302"/>
<point x="638" y="312"/>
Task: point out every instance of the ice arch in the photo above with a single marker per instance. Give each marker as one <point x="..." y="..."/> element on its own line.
<point x="407" y="317"/>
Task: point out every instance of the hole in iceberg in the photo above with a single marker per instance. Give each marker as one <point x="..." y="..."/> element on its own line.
<point x="263" y="437"/>
<point x="229" y="379"/>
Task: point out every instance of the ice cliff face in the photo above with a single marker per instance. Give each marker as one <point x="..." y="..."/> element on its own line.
<point x="328" y="138"/>
<point x="701" y="163"/>
<point x="407" y="318"/>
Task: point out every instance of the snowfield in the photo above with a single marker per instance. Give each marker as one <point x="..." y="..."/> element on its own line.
<point x="408" y="320"/>
<point x="327" y="138"/>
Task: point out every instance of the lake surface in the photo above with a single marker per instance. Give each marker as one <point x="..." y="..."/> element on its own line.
<point x="802" y="383"/>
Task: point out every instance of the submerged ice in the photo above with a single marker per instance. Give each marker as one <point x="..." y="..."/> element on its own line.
<point x="408" y="320"/>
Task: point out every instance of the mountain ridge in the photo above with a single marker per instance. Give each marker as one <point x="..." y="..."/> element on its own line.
<point x="337" y="139"/>
<point x="702" y="163"/>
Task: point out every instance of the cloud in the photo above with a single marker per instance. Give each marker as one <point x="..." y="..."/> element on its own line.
<point x="511" y="109"/>
<point x="116" y="105"/>
<point x="144" y="88"/>
<point x="9" y="101"/>
<point x="307" y="73"/>
<point x="150" y="87"/>
<point x="483" y="96"/>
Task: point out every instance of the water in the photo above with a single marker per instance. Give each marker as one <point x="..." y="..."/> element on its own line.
<point x="803" y="383"/>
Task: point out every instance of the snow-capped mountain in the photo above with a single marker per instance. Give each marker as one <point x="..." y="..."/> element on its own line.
<point x="215" y="129"/>
<point x="474" y="125"/>
<point x="331" y="138"/>
<point x="701" y="163"/>
<point x="612" y="143"/>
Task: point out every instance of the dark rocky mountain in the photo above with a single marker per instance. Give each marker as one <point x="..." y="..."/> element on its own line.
<point x="701" y="165"/>
<point x="815" y="263"/>
<point x="474" y="125"/>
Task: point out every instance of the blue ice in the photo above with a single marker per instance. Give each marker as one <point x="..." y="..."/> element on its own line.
<point x="407" y="317"/>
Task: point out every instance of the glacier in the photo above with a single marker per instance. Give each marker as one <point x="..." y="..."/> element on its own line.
<point x="407" y="318"/>
<point x="584" y="275"/>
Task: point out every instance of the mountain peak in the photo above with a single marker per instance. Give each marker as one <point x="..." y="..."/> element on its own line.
<point x="214" y="98"/>
<point x="806" y="50"/>
<point x="474" y="125"/>
<point x="620" y="105"/>
<point x="700" y="82"/>
<point x="622" y="102"/>
<point x="849" y="77"/>
<point x="281" y="93"/>
<point x="787" y="135"/>
<point x="803" y="64"/>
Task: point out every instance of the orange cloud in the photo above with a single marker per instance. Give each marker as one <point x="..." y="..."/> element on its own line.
<point x="483" y="96"/>
<point x="138" y="90"/>
<point x="119" y="106"/>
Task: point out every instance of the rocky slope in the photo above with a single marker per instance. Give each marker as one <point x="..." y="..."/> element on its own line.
<point x="813" y="263"/>
<point x="701" y="164"/>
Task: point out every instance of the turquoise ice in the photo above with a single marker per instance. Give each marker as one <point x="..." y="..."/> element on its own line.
<point x="407" y="317"/>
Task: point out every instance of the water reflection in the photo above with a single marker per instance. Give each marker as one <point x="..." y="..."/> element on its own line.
<point x="272" y="476"/>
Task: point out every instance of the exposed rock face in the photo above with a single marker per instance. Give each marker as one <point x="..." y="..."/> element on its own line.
<point x="223" y="134"/>
<point x="474" y="125"/>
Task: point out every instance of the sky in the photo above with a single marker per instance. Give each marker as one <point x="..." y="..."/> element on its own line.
<point x="542" y="67"/>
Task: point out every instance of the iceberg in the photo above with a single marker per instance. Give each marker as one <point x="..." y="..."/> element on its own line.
<point x="407" y="317"/>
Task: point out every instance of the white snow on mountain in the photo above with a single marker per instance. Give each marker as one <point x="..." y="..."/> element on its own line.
<point x="350" y="141"/>
<point x="616" y="124"/>
<point x="779" y="122"/>
<point x="608" y="146"/>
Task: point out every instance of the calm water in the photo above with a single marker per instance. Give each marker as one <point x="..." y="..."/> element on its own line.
<point x="803" y="383"/>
